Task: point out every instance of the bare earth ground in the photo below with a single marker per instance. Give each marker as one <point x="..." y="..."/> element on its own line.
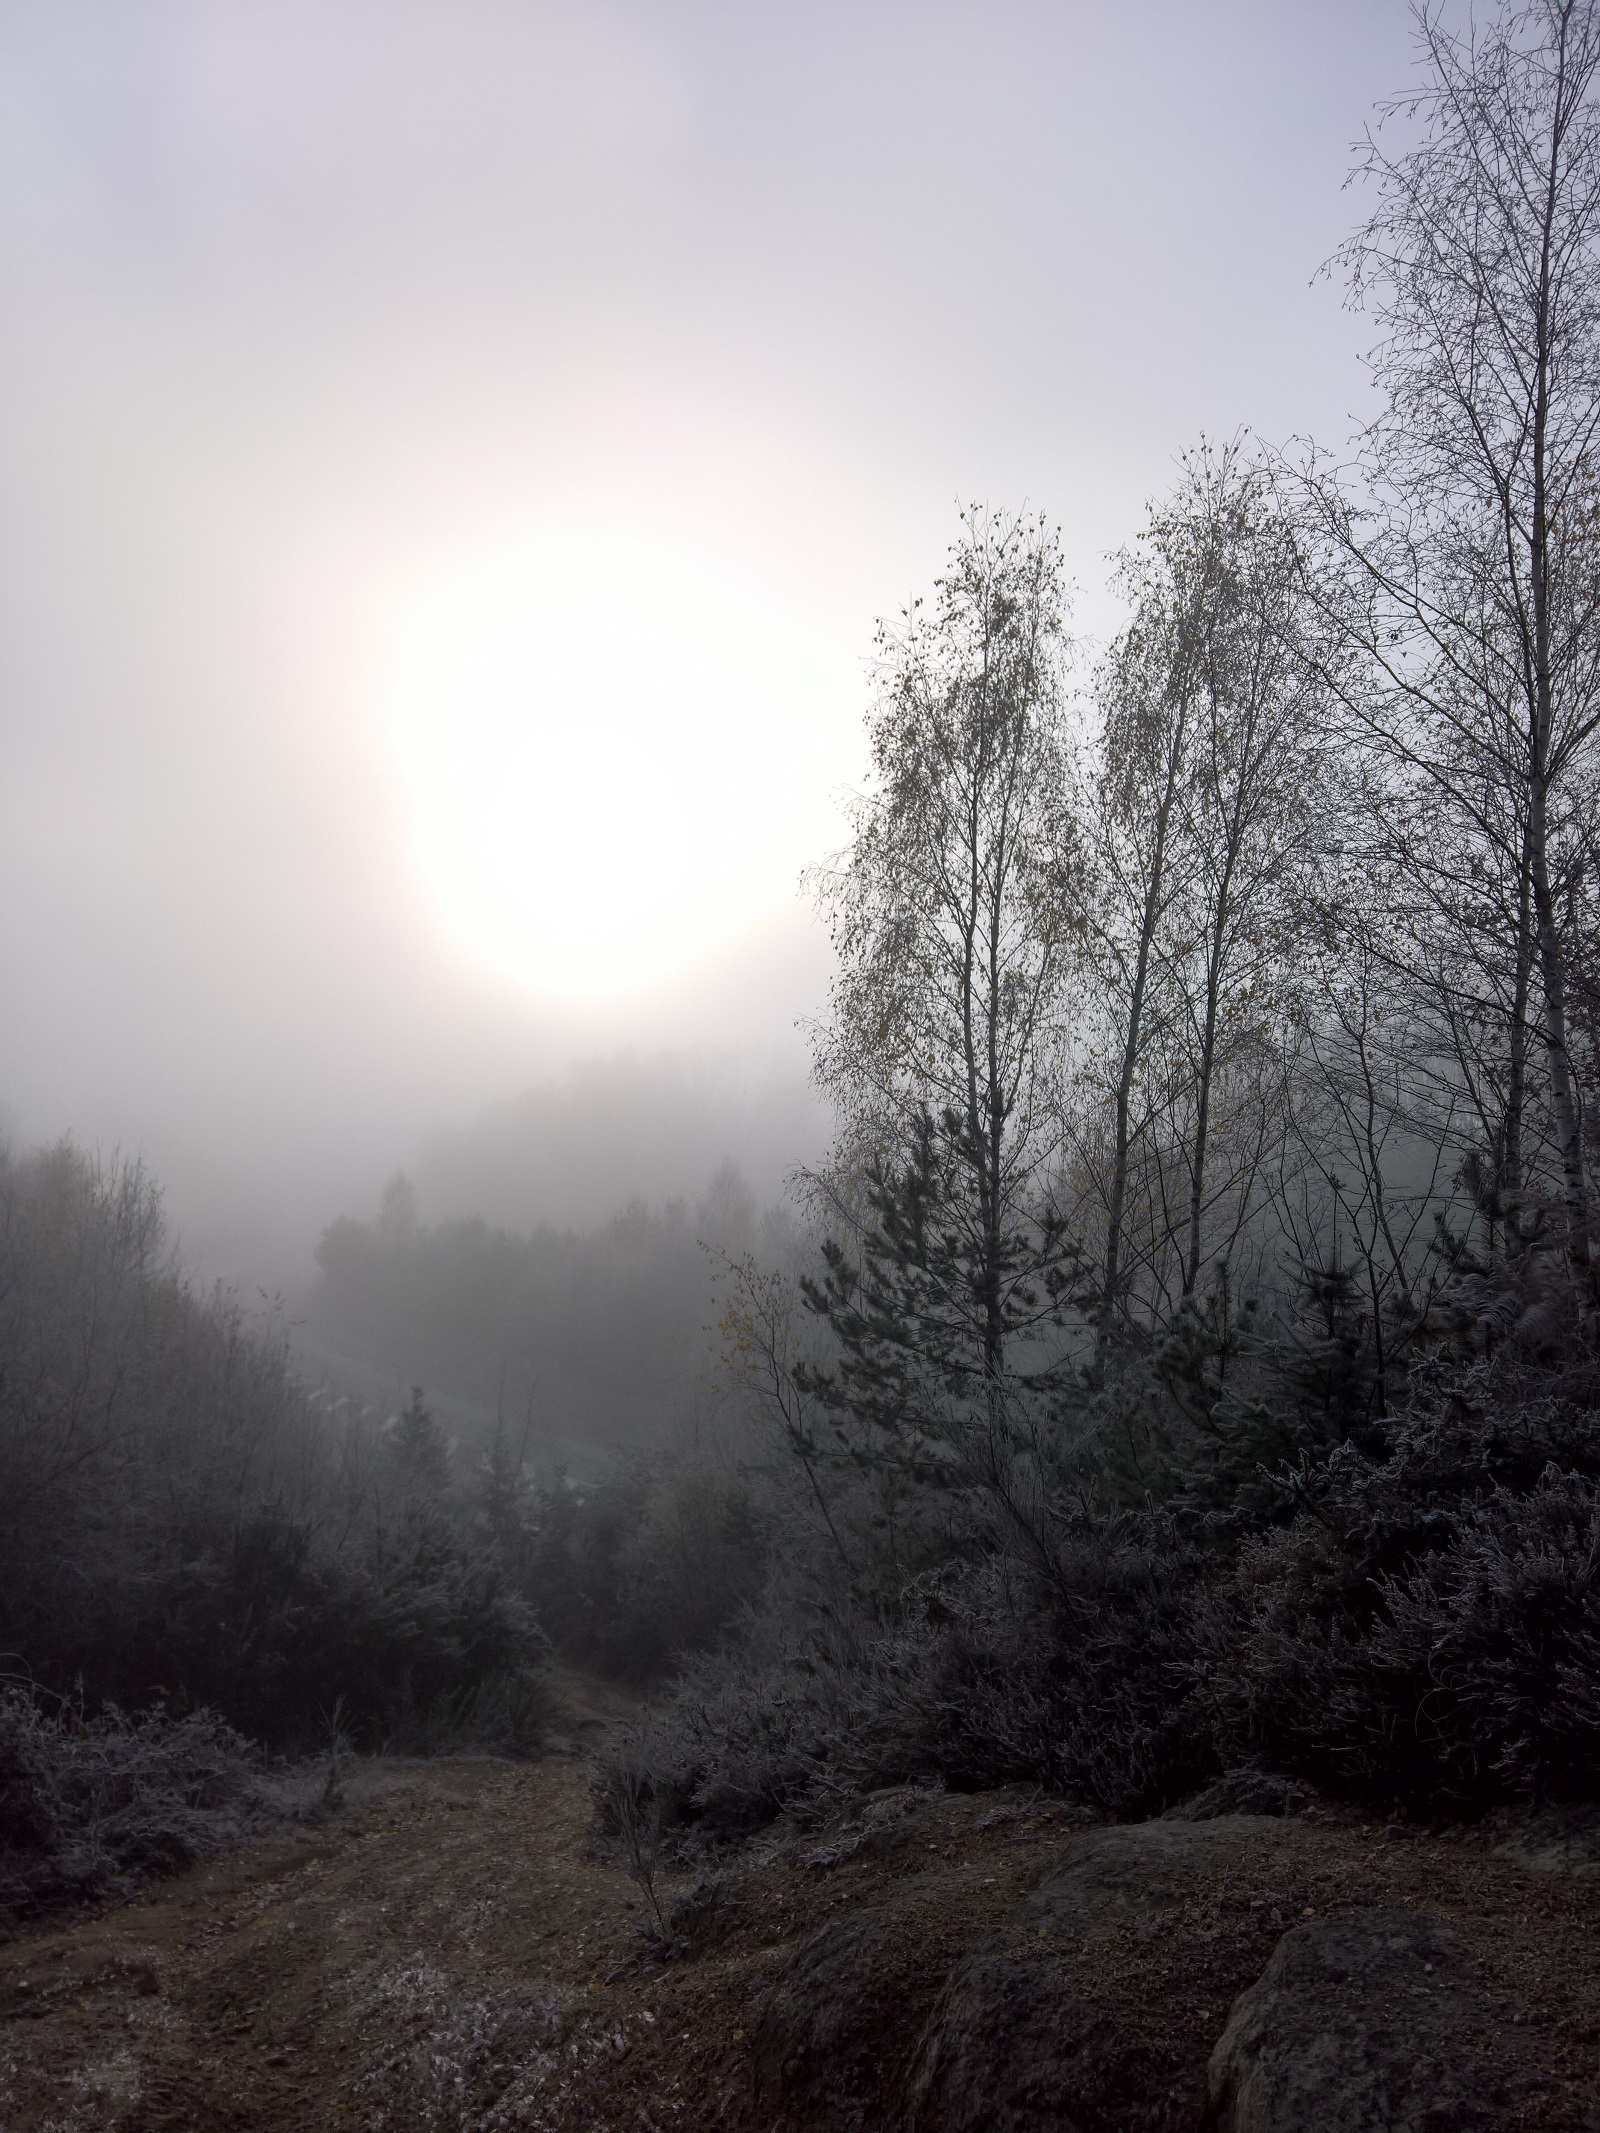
<point x="451" y="1953"/>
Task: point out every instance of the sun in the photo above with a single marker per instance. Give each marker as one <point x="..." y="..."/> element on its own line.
<point x="617" y="754"/>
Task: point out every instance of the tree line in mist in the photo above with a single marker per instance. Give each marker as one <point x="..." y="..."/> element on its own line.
<point x="595" y="1334"/>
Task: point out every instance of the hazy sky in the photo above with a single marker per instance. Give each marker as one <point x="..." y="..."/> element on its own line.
<point x="344" y="340"/>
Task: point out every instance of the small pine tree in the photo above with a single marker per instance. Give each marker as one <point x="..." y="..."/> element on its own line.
<point x="1251" y="1401"/>
<point x="952" y="1371"/>
<point x="418" y="1452"/>
<point x="1325" y="1368"/>
<point x="1177" y="1423"/>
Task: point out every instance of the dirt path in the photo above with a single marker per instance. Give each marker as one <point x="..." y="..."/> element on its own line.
<point x="452" y="1955"/>
<point x="365" y="1973"/>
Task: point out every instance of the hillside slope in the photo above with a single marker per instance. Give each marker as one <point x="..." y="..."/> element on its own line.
<point x="454" y="1954"/>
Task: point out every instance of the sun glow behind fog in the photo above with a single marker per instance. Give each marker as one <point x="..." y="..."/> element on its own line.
<point x="617" y="755"/>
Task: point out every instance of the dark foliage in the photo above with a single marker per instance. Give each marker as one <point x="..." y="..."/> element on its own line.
<point x="1215" y="1413"/>
<point x="948" y="1310"/>
<point x="983" y="1676"/>
<point x="90" y="1805"/>
<point x="632" y="1574"/>
<point x="1410" y="1619"/>
<point x="1426" y="1627"/>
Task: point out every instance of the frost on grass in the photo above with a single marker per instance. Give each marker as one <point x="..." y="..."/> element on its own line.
<point x="452" y="2059"/>
<point x="102" y="2093"/>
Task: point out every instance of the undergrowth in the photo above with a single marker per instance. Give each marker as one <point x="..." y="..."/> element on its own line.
<point x="1412" y="1623"/>
<point x="92" y="1805"/>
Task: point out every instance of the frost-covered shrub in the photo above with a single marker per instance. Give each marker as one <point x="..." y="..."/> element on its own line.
<point x="1422" y="1625"/>
<point x="1471" y="1675"/>
<point x="1428" y="1627"/>
<point x="984" y="1674"/>
<point x="91" y="1805"/>
<point x="417" y="1635"/>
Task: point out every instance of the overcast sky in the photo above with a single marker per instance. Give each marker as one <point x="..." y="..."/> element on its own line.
<point x="313" y="305"/>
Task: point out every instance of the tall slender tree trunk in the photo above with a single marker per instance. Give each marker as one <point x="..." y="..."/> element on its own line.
<point x="1511" y="1178"/>
<point x="994" y="1145"/>
<point x="1552" y="976"/>
<point x="1563" y="1102"/>
<point x="1128" y="1067"/>
<point x="1203" y="1085"/>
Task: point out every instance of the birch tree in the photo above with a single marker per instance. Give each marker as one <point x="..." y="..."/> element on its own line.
<point x="955" y="915"/>
<point x="1462" y="544"/>
<point x="1206" y="823"/>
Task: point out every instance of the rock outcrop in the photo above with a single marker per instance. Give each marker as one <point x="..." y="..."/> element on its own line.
<point x="1555" y="1840"/>
<point x="815" y="2040"/>
<point x="1246" y="1791"/>
<point x="1368" y="2021"/>
<point x="1024" y="2039"/>
<point x="1155" y="1978"/>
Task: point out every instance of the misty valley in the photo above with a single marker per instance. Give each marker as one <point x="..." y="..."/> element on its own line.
<point x="1041" y="1575"/>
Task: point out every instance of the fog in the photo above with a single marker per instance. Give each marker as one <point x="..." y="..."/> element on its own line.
<point x="802" y="979"/>
<point x="315" y="306"/>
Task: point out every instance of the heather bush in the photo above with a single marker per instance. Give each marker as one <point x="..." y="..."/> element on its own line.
<point x="985" y="1673"/>
<point x="1425" y="1629"/>
<point x="90" y="1805"/>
